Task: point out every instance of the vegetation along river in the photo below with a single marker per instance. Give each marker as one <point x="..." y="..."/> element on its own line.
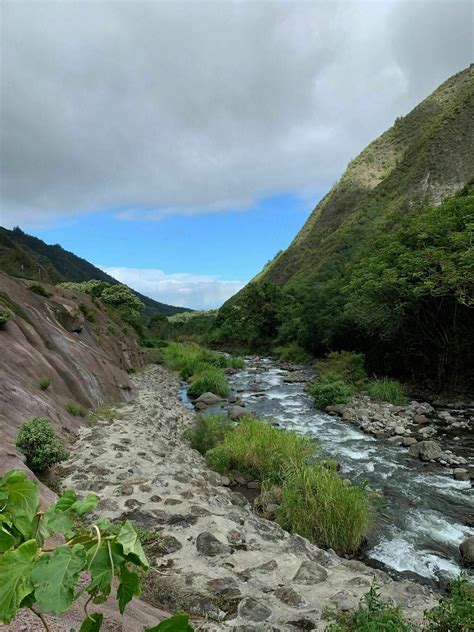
<point x="424" y="513"/>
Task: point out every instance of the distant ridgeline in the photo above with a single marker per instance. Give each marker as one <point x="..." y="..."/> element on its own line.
<point x="26" y="256"/>
<point x="385" y="263"/>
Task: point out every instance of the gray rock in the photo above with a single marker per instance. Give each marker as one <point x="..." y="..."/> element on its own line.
<point x="310" y="573"/>
<point x="408" y="441"/>
<point x="209" y="399"/>
<point x="426" y="450"/>
<point x="467" y="551"/>
<point x="290" y="597"/>
<point x="421" y="419"/>
<point x="237" y="412"/>
<point x="461" y="474"/>
<point x="208" y="544"/>
<point x="400" y="430"/>
<point x="396" y="440"/>
<point x="169" y="544"/>
<point x="225" y="587"/>
<point x="250" y="608"/>
<point x="253" y="485"/>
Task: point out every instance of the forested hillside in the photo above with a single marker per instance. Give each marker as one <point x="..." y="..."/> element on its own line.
<point x="29" y="257"/>
<point x="385" y="262"/>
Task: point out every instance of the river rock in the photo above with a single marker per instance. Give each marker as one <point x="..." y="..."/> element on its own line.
<point x="310" y="573"/>
<point x="208" y="399"/>
<point x="426" y="450"/>
<point x="208" y="544"/>
<point x="290" y="597"/>
<point x="421" y="419"/>
<point x="467" y="551"/>
<point x="408" y="441"/>
<point x="461" y="474"/>
<point x="250" y="608"/>
<point x="237" y="412"/>
<point x="396" y="440"/>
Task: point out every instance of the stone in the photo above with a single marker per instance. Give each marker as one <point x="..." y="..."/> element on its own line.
<point x="421" y="419"/>
<point x="254" y="610"/>
<point x="310" y="573"/>
<point x="461" y="474"/>
<point x="396" y="440"/>
<point x="467" y="551"/>
<point x="208" y="544"/>
<point x="290" y="597"/>
<point x="237" y="412"/>
<point x="225" y="587"/>
<point x="426" y="450"/>
<point x="126" y="490"/>
<point x="225" y="480"/>
<point x="253" y="485"/>
<point x="399" y="430"/>
<point x="208" y="399"/>
<point x="408" y="441"/>
<point x="169" y="544"/>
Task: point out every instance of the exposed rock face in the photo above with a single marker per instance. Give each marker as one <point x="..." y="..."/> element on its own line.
<point x="247" y="572"/>
<point x="49" y="338"/>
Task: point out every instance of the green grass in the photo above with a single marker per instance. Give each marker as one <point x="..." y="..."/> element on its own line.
<point x="75" y="409"/>
<point x="209" y="379"/>
<point x="387" y="390"/>
<point x="319" y="506"/>
<point x="44" y="383"/>
<point x="261" y="451"/>
<point x="330" y="389"/>
<point x="4" y="317"/>
<point x="37" y="288"/>
<point x="236" y="362"/>
<point x="292" y="352"/>
<point x="89" y="312"/>
<point x="104" y="412"/>
<point x="348" y="366"/>
<point x="208" y="432"/>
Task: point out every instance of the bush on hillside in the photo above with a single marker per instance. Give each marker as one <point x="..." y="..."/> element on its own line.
<point x="208" y="432"/>
<point x="37" y="288"/>
<point x="89" y="312"/>
<point x="209" y="380"/>
<point x="292" y="352"/>
<point x="37" y="440"/>
<point x="387" y="390"/>
<point x="44" y="383"/>
<point x="75" y="409"/>
<point x="318" y="505"/>
<point x="348" y="366"/>
<point x="4" y="317"/>
<point x="329" y="390"/>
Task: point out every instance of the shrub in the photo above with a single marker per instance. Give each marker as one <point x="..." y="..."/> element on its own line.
<point x="387" y="390"/>
<point x="319" y="506"/>
<point x="292" y="352"/>
<point x="260" y="450"/>
<point x="329" y="389"/>
<point x="208" y="432"/>
<point x="236" y="362"/>
<point x="44" y="384"/>
<point x="348" y="366"/>
<point x="4" y="317"/>
<point x="372" y="615"/>
<point x="75" y="409"/>
<point x="37" y="288"/>
<point x="455" y="612"/>
<point x="210" y="379"/>
<point x="89" y="312"/>
<point x="37" y="441"/>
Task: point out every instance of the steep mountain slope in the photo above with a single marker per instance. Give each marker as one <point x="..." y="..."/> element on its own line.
<point x="385" y="262"/>
<point x="426" y="156"/>
<point x="27" y="256"/>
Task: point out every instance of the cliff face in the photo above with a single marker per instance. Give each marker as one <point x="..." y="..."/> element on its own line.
<point x="425" y="157"/>
<point x="48" y="337"/>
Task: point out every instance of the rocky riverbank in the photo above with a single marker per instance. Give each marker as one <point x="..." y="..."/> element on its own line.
<point x="214" y="558"/>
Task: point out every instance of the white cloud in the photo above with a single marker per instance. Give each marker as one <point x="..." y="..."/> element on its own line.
<point x="181" y="289"/>
<point x="191" y="107"/>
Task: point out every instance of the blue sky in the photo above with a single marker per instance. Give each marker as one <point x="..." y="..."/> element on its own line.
<point x="180" y="145"/>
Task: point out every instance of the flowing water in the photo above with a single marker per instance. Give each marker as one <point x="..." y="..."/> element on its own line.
<point x="424" y="513"/>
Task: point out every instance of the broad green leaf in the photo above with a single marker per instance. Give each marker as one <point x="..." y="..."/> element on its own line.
<point x="178" y="623"/>
<point x="38" y="529"/>
<point x="81" y="507"/>
<point x="6" y="540"/>
<point x="92" y="623"/>
<point x="58" y="522"/>
<point x="103" y="566"/>
<point x="22" y="522"/>
<point x="55" y="577"/>
<point x="65" y="501"/>
<point x="128" y="538"/>
<point x="22" y="492"/>
<point x="128" y="588"/>
<point x="15" y="580"/>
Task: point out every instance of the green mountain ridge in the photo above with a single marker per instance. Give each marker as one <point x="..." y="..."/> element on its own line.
<point x="26" y="256"/>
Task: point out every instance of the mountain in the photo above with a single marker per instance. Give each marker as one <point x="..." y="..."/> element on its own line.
<point x="388" y="208"/>
<point x="26" y="256"/>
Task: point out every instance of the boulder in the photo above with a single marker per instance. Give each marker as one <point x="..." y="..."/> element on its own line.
<point x="237" y="412"/>
<point x="208" y="399"/>
<point x="426" y="450"/>
<point x="408" y="441"/>
<point x="461" y="474"/>
<point x="421" y="419"/>
<point x="467" y="551"/>
<point x="396" y="440"/>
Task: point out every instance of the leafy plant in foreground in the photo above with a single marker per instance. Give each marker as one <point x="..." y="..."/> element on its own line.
<point x="40" y="445"/>
<point x="45" y="580"/>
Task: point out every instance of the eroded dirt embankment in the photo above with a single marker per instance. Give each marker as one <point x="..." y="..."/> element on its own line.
<point x="215" y="558"/>
<point x="49" y="338"/>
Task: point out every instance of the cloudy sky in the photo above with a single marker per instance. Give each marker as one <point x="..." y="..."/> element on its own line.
<point x="180" y="145"/>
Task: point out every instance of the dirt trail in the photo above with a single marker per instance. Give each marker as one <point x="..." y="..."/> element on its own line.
<point x="217" y="559"/>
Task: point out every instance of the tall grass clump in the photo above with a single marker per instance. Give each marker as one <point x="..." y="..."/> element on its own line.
<point x="209" y="379"/>
<point x="209" y="431"/>
<point x="292" y="352"/>
<point x="387" y="390"/>
<point x="260" y="451"/>
<point x="236" y="362"/>
<point x="75" y="409"/>
<point x="330" y="389"/>
<point x="319" y="506"/>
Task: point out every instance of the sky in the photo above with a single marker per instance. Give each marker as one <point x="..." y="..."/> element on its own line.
<point x="180" y="145"/>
